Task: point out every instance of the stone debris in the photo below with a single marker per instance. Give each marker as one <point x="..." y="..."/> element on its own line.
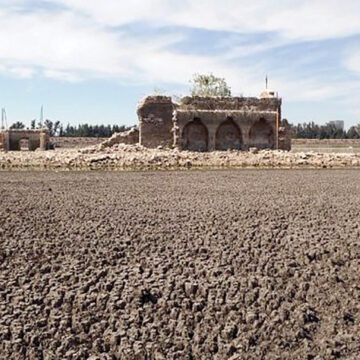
<point x="137" y="157"/>
<point x="127" y="137"/>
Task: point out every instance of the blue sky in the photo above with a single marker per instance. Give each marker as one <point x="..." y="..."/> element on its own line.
<point x="91" y="61"/>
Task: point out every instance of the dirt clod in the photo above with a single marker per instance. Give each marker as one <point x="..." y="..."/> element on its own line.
<point x="247" y="264"/>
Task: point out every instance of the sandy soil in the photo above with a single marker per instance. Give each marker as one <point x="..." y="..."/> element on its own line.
<point x="247" y="264"/>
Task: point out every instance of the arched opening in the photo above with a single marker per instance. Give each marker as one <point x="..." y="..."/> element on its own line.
<point x="24" y="144"/>
<point x="262" y="135"/>
<point x="195" y="136"/>
<point x="228" y="136"/>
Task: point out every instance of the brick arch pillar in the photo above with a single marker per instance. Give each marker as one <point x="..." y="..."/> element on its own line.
<point x="43" y="141"/>
<point x="212" y="136"/>
<point x="244" y="127"/>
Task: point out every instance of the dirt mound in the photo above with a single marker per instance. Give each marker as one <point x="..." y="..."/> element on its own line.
<point x="173" y="265"/>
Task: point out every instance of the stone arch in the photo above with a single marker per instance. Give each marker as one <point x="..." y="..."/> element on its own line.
<point x="195" y="136"/>
<point x="262" y="135"/>
<point x="24" y="144"/>
<point x="228" y="136"/>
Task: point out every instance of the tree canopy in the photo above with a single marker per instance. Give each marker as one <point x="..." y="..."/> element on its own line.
<point x="328" y="131"/>
<point x="17" y="125"/>
<point x="209" y="85"/>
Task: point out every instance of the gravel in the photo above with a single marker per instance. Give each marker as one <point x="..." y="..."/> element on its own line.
<point x="247" y="264"/>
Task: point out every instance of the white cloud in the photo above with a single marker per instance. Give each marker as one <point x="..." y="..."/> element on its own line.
<point x="69" y="47"/>
<point x="352" y="60"/>
<point x="60" y="42"/>
<point x="295" y="19"/>
<point x="62" y="75"/>
<point x="22" y="72"/>
<point x="82" y="42"/>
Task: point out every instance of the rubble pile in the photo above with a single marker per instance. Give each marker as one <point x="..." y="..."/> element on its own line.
<point x="127" y="137"/>
<point x="119" y="156"/>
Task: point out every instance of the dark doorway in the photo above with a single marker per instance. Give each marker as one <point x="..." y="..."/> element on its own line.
<point x="262" y="135"/>
<point x="24" y="145"/>
<point x="195" y="136"/>
<point x="228" y="136"/>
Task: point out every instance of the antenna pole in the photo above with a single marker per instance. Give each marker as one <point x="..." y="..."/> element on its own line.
<point x="41" y="115"/>
<point x="266" y="82"/>
<point x="3" y="119"/>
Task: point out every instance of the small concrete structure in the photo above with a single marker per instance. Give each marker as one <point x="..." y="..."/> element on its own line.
<point x="10" y="140"/>
<point x="213" y="123"/>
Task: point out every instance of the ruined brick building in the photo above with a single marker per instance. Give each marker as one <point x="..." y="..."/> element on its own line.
<point x="213" y="123"/>
<point x="195" y="124"/>
<point x="34" y="139"/>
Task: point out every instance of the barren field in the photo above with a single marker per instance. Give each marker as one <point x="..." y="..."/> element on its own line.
<point x="248" y="264"/>
<point x="344" y="146"/>
<point x="75" y="142"/>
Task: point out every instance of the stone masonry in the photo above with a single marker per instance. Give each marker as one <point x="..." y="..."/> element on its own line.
<point x="37" y="139"/>
<point x="212" y="123"/>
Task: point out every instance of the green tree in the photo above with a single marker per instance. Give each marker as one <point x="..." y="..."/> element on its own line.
<point x="52" y="126"/>
<point x="209" y="85"/>
<point x="353" y="133"/>
<point x="61" y="131"/>
<point x="85" y="130"/>
<point x="33" y="124"/>
<point x="17" y="125"/>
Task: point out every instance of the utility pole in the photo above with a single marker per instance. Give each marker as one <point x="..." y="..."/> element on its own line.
<point x="41" y="115"/>
<point x="3" y="119"/>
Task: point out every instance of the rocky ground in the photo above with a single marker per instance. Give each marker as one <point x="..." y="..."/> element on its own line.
<point x="135" y="157"/>
<point x="246" y="264"/>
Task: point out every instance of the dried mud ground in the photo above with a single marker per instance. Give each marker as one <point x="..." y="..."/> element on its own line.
<point x="248" y="264"/>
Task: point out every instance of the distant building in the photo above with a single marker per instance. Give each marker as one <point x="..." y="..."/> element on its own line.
<point x="339" y="124"/>
<point x="12" y="139"/>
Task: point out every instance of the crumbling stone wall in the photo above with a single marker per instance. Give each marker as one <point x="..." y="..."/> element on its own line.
<point x="37" y="138"/>
<point x="195" y="136"/>
<point x="262" y="134"/>
<point x="2" y="140"/>
<point x="127" y="137"/>
<point x="155" y="121"/>
<point x="212" y="123"/>
<point x="228" y="136"/>
<point x="230" y="103"/>
<point x="284" y="138"/>
<point x="228" y="129"/>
